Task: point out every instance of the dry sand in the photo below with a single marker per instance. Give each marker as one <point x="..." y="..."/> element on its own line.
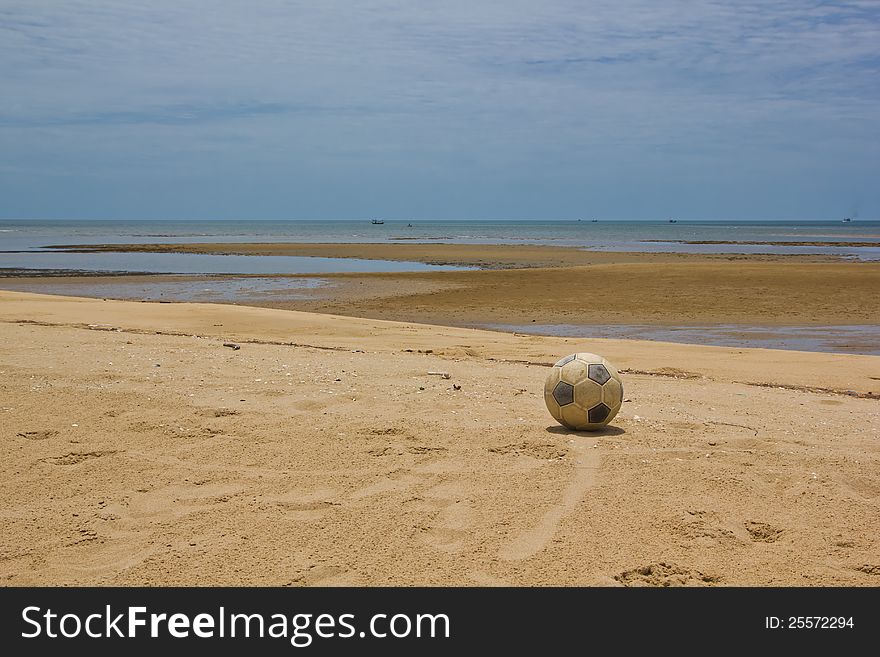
<point x="137" y="449"/>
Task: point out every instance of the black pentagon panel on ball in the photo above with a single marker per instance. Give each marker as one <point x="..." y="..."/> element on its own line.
<point x="598" y="413"/>
<point x="565" y="360"/>
<point x="599" y="374"/>
<point x="563" y="393"/>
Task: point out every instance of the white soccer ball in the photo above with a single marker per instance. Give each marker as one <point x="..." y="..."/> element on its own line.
<point x="583" y="392"/>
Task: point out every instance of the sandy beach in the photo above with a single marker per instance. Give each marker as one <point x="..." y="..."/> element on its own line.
<point x="484" y="256"/>
<point x="138" y="449"/>
<point x="522" y="284"/>
<point x="305" y="313"/>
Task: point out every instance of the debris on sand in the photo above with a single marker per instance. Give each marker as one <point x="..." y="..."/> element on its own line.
<point x="232" y="345"/>
<point x="442" y="375"/>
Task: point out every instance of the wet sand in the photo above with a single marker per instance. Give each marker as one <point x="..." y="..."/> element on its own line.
<point x="137" y="449"/>
<point x="349" y="295"/>
<point x="484" y="256"/>
<point x="632" y="293"/>
<point x="558" y="285"/>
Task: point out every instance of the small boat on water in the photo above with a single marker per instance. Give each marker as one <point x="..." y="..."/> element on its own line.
<point x="673" y="221"/>
<point x="595" y="221"/>
<point x="409" y="225"/>
<point x="377" y="221"/>
<point x="846" y="220"/>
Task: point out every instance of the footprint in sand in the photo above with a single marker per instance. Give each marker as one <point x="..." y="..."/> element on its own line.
<point x="442" y="499"/>
<point x="125" y="534"/>
<point x="762" y="532"/>
<point x="72" y="458"/>
<point x="385" y="485"/>
<point x="455" y="516"/>
<point x="304" y="506"/>
<point x="44" y="434"/>
<point x="482" y="578"/>
<point x="665" y="575"/>
<point x="538" y="537"/>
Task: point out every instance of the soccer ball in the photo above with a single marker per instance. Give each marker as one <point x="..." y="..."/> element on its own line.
<point x="583" y="392"/>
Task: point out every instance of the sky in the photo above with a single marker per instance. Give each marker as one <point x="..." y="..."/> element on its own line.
<point x="445" y="109"/>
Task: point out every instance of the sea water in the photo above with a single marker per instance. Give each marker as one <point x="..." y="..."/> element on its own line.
<point x="22" y="246"/>
<point x="28" y="238"/>
<point x="851" y="339"/>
